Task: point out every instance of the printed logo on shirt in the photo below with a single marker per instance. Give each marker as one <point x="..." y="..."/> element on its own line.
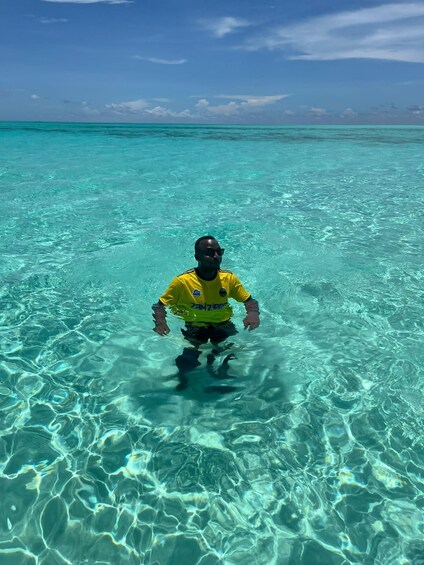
<point x="208" y="307"/>
<point x="196" y="292"/>
<point x="223" y="292"/>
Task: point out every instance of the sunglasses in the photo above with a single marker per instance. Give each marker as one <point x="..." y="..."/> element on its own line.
<point x="211" y="252"/>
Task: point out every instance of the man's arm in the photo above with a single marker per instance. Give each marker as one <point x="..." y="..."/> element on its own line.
<point x="251" y="321"/>
<point x="159" y="317"/>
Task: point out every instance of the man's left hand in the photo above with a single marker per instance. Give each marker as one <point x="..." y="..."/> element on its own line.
<point x="251" y="321"/>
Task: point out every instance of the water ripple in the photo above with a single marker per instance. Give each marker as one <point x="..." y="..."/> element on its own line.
<point x="311" y="452"/>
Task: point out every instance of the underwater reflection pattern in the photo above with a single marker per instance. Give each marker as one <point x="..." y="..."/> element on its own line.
<point x="311" y="452"/>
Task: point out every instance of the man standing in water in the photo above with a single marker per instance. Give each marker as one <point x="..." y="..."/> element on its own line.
<point x="200" y="297"/>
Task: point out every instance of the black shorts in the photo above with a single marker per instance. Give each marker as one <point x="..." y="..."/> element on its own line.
<point x="215" y="332"/>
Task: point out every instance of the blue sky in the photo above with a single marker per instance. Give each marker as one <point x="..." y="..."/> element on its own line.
<point x="204" y="61"/>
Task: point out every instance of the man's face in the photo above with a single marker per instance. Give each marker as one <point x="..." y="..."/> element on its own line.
<point x="209" y="254"/>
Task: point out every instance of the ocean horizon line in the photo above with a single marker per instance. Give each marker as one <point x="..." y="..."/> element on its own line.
<point x="215" y="125"/>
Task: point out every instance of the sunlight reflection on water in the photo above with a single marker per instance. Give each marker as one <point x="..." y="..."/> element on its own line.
<point x="314" y="454"/>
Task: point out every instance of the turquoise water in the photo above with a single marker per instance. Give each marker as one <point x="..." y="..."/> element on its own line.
<point x="316" y="455"/>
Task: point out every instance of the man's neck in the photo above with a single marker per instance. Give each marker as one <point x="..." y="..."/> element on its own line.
<point x="206" y="274"/>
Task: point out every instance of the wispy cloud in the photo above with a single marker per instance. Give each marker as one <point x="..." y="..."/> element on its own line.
<point x="416" y="110"/>
<point x="202" y="103"/>
<point x="317" y="112"/>
<point x="161" y="61"/>
<point x="229" y="109"/>
<point x="78" y="107"/>
<point x="35" y="97"/>
<point x="90" y="1"/>
<point x="249" y="100"/>
<point x="43" y="20"/>
<point x="349" y="113"/>
<point x="220" y="27"/>
<point x="161" y="112"/>
<point x="89" y="109"/>
<point x="128" y="107"/>
<point x="142" y="107"/>
<point x="238" y="103"/>
<point x="392" y="31"/>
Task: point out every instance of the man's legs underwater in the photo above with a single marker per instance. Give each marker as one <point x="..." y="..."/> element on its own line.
<point x="219" y="334"/>
<point x="186" y="362"/>
<point x="189" y="358"/>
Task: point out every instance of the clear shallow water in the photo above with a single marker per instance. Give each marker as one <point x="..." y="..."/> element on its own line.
<point x="317" y="457"/>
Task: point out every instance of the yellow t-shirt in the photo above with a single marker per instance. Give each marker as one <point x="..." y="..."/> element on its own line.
<point x="204" y="302"/>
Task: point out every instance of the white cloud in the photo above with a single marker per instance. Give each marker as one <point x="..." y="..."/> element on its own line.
<point x="317" y="112"/>
<point x="229" y="109"/>
<point x="43" y="20"/>
<point x="91" y="1"/>
<point x="35" y="97"/>
<point x="202" y="104"/>
<point x="143" y="107"/>
<point x="88" y="109"/>
<point x="161" y="61"/>
<point x="185" y="114"/>
<point x="416" y="110"/>
<point x="249" y="100"/>
<point x="159" y="111"/>
<point x="390" y="31"/>
<point x="128" y="107"/>
<point x="238" y="103"/>
<point x="348" y="113"/>
<point x="223" y="26"/>
<point x="204" y="108"/>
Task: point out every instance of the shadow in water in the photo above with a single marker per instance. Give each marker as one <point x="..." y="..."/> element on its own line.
<point x="260" y="394"/>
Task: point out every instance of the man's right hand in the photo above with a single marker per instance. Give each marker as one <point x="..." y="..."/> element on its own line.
<point x="159" y="317"/>
<point x="161" y="328"/>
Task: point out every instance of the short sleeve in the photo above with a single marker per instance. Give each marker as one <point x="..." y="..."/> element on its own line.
<point x="172" y="293"/>
<point x="237" y="291"/>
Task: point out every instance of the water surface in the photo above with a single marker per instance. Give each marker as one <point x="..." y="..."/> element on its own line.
<point x="317" y="455"/>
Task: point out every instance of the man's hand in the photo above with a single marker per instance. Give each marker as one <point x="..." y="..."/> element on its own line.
<point x="251" y="321"/>
<point x="159" y="317"/>
<point x="161" y="328"/>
